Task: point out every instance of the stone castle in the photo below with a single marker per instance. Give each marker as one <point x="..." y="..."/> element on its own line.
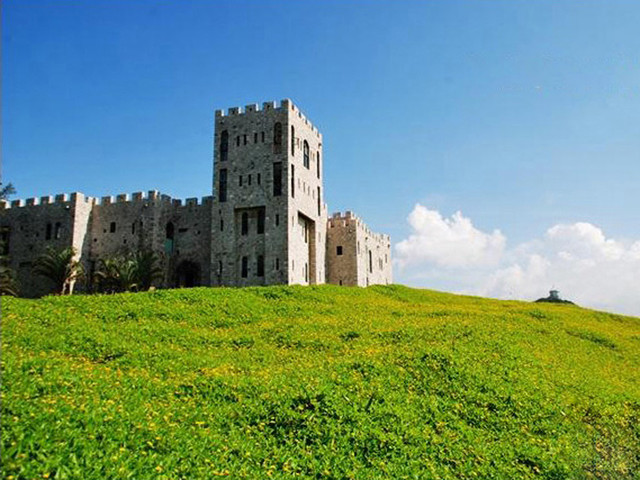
<point x="265" y="224"/>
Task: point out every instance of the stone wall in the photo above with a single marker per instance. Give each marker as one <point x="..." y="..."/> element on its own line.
<point x="108" y="228"/>
<point x="33" y="225"/>
<point x="355" y="254"/>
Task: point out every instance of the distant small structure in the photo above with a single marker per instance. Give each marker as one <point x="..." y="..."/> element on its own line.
<point x="554" y="297"/>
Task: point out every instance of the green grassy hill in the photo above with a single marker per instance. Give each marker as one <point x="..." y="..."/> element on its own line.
<point x="317" y="382"/>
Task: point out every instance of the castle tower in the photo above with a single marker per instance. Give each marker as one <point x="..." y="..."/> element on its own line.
<point x="269" y="219"/>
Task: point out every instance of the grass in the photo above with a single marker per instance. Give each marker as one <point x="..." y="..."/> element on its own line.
<point x="317" y="382"/>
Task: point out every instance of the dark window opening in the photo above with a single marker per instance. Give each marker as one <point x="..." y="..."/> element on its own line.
<point x="277" y="263"/>
<point x="319" y="202"/>
<point x="183" y="230"/>
<point x="261" y="216"/>
<point x="318" y="164"/>
<point x="133" y="228"/>
<point x="255" y="137"/>
<point x="277" y="179"/>
<point x="240" y="181"/>
<point x="293" y="181"/>
<point x="293" y="140"/>
<point x="245" y="267"/>
<point x="169" y="237"/>
<point x="249" y="179"/>
<point x="47" y="234"/>
<point x="224" y="146"/>
<point x="112" y="228"/>
<point x="262" y="136"/>
<point x="277" y="219"/>
<point x="260" y="268"/>
<point x="222" y="185"/>
<point x="370" y="262"/>
<point x="306" y="272"/>
<point x="238" y="141"/>
<point x="222" y="225"/>
<point x="5" y="236"/>
<point x="305" y="154"/>
<point x="277" y="138"/>
<point x="219" y="267"/>
<point x="259" y="179"/>
<point x="245" y="138"/>
<point x="245" y="223"/>
<point x="339" y="250"/>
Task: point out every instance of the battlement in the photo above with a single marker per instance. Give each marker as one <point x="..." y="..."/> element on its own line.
<point x="61" y="199"/>
<point x="285" y="104"/>
<point x="338" y="220"/>
<point x="64" y="199"/>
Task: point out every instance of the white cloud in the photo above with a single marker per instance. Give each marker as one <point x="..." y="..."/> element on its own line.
<point x="453" y="242"/>
<point x="578" y="259"/>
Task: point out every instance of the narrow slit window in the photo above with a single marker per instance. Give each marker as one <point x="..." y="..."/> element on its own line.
<point x="260" y="269"/>
<point x="277" y="138"/>
<point x="222" y="185"/>
<point x="245" y="223"/>
<point x="245" y="267"/>
<point x="261" y="217"/>
<point x="293" y="140"/>
<point x="277" y="179"/>
<point x="224" y="146"/>
<point x="305" y="154"/>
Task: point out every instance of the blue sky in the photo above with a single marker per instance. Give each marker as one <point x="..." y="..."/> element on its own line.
<point x="522" y="115"/>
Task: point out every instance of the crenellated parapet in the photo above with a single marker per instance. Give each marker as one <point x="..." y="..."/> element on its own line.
<point x="64" y="199"/>
<point x="285" y="105"/>
<point x="61" y="199"/>
<point x="338" y="220"/>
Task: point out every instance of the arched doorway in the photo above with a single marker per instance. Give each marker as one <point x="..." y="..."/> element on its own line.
<point x="187" y="274"/>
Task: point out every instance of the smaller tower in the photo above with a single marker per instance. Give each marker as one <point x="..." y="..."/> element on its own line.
<point x="356" y="255"/>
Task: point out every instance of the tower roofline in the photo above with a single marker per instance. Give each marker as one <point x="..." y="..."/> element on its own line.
<point x="285" y="105"/>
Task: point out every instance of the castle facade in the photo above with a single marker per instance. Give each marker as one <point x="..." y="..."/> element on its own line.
<point x="266" y="222"/>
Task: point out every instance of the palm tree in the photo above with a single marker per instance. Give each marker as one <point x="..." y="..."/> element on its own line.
<point x="61" y="267"/>
<point x="8" y="282"/>
<point x="6" y="190"/>
<point x="131" y="273"/>
<point x="115" y="275"/>
<point x="147" y="269"/>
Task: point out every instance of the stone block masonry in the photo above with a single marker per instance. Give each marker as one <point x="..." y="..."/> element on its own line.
<point x="266" y="222"/>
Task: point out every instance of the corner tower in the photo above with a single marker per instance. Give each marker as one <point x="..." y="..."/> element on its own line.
<point x="269" y="219"/>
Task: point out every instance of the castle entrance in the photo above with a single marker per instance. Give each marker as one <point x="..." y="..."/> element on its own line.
<point x="187" y="274"/>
